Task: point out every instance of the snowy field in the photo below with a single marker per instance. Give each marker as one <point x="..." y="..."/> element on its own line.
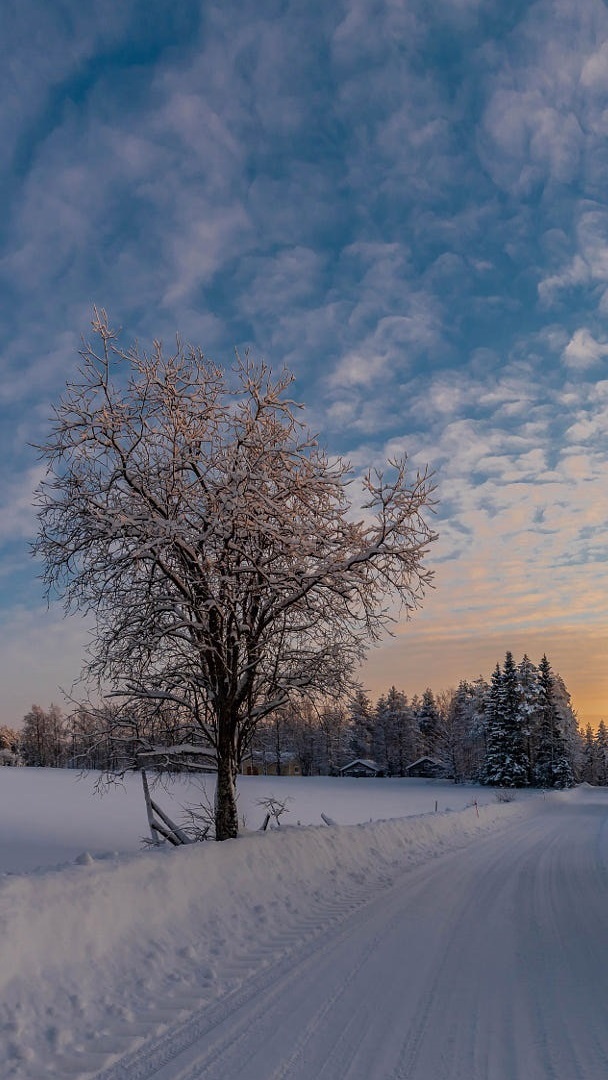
<point x="467" y="944"/>
<point x="51" y="816"/>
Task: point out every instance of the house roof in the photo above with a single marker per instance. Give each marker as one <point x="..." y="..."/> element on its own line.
<point x="366" y="762"/>
<point x="271" y="756"/>
<point x="179" y="748"/>
<point x="194" y="757"/>
<point x="426" y="759"/>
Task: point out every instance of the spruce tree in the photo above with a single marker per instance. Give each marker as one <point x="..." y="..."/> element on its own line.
<point x="529" y="695"/>
<point x="515" y="765"/>
<point x="380" y="747"/>
<point x="589" y="757"/>
<point x="495" y="735"/>
<point x="601" y="744"/>
<point x="477" y="735"/>
<point x="506" y="757"/>
<point x="429" y="723"/>
<point x="568" y="724"/>
<point x="553" y="767"/>
<point x="361" y="715"/>
<point x="395" y="735"/>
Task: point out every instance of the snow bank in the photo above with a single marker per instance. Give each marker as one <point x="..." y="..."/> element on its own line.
<point x="96" y="955"/>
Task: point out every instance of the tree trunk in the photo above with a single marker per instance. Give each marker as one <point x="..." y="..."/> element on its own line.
<point x="226" y="817"/>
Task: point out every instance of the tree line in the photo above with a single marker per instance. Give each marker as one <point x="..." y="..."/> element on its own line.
<point x="516" y="729"/>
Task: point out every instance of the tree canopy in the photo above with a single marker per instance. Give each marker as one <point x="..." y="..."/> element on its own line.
<point x="192" y="513"/>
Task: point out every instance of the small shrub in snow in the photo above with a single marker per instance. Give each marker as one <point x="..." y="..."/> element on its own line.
<point x="274" y="808"/>
<point x="504" y="795"/>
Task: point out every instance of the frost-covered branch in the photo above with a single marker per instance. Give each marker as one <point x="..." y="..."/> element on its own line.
<point x="192" y="513"/>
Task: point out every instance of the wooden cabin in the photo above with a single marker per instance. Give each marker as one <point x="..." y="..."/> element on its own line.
<point x="361" y="767"/>
<point x="429" y="768"/>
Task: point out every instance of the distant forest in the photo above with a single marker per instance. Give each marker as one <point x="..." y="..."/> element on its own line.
<point x="517" y="729"/>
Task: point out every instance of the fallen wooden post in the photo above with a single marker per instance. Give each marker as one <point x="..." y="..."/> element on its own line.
<point x="164" y="828"/>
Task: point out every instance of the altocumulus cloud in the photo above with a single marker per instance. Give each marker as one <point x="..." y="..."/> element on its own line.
<point x="403" y="202"/>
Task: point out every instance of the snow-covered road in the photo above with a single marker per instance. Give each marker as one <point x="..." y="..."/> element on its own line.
<point x="487" y="963"/>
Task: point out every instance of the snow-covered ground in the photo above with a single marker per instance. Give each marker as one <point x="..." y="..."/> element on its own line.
<point x="51" y="816"/>
<point x="467" y="943"/>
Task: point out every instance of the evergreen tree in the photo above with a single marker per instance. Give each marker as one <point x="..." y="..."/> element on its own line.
<point x="415" y="707"/>
<point x="495" y="735"/>
<point x="601" y="752"/>
<point x="429" y="723"/>
<point x="589" y="766"/>
<point x="477" y="733"/>
<point x="553" y="767"/>
<point x="568" y="724"/>
<point x="361" y="716"/>
<point x="515" y="764"/>
<point x="395" y="734"/>
<point x="380" y="742"/>
<point x="506" y="763"/>
<point x="529" y="710"/>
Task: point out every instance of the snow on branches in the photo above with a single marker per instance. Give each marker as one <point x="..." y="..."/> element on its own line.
<point x="192" y="513"/>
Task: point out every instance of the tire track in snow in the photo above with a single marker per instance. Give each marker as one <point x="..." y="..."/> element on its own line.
<point x="347" y="1045"/>
<point x="443" y="1010"/>
<point x="148" y="1060"/>
<point x="512" y="900"/>
<point x="254" y="1024"/>
<point x="316" y="929"/>
<point x="285" y="1070"/>
<point x="230" y="1052"/>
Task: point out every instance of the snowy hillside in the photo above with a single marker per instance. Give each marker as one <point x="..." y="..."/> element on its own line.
<point x="135" y="964"/>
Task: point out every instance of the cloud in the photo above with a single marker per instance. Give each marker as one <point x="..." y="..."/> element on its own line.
<point x="542" y="124"/>
<point x="283" y="283"/>
<point x="391" y="199"/>
<point x="521" y="514"/>
<point x="594" y="72"/>
<point x="18" y="516"/>
<point x="574" y="274"/>
<point x="39" y="71"/>
<point x="526" y="142"/>
<point x="583" y="351"/>
<point x="589" y="264"/>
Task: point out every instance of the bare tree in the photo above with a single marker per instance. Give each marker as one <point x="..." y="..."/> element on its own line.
<point x="306" y="737"/>
<point x="43" y="736"/>
<point x="197" y="520"/>
<point x="10" y="739"/>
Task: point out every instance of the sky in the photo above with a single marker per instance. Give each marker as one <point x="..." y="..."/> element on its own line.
<point x="405" y="204"/>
